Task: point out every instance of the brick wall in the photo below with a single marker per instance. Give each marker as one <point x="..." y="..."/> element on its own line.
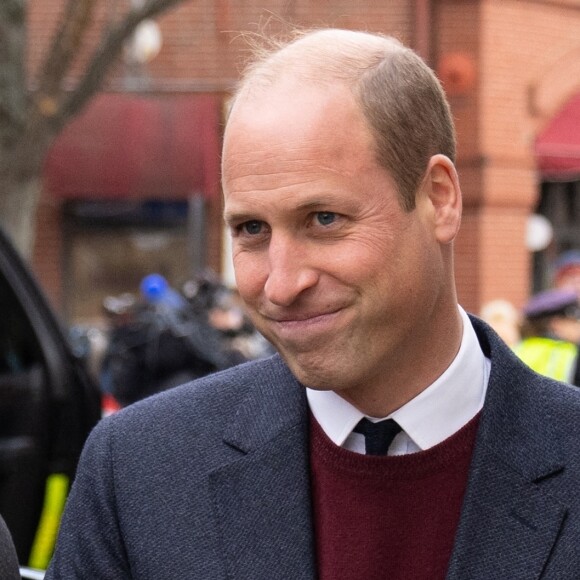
<point x="49" y="247"/>
<point x="522" y="45"/>
<point x="517" y="48"/>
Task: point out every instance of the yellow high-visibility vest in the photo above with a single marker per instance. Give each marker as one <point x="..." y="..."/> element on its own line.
<point x="553" y="358"/>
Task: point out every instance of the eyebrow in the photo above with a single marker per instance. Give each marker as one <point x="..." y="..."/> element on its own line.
<point x="306" y="205"/>
<point x="237" y="217"/>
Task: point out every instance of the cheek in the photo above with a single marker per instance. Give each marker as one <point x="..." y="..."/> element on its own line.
<point x="251" y="275"/>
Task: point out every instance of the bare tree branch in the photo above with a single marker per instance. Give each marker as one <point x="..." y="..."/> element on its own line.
<point x="74" y="21"/>
<point x="106" y="54"/>
<point x="12" y="78"/>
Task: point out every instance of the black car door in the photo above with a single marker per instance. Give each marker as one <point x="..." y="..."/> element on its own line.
<point x="48" y="404"/>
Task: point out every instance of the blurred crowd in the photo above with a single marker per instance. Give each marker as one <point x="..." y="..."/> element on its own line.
<point x="160" y="337"/>
<point x="545" y="333"/>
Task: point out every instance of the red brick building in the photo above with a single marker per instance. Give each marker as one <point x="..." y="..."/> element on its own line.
<point x="512" y="72"/>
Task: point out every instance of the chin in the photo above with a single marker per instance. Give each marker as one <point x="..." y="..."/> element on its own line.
<point x="314" y="376"/>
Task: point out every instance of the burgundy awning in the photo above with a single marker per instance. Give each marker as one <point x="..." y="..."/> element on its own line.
<point x="125" y="147"/>
<point x="558" y="146"/>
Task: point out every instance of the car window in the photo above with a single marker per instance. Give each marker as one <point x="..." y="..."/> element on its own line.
<point x="19" y="348"/>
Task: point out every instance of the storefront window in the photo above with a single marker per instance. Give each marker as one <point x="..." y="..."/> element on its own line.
<point x="560" y="204"/>
<point x="110" y="247"/>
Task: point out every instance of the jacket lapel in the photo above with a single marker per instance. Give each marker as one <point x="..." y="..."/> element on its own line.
<point x="262" y="499"/>
<point x="509" y="522"/>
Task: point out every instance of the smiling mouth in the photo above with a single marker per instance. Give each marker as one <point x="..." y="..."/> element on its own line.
<point x="295" y="325"/>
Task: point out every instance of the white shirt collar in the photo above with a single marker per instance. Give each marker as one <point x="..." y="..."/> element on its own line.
<point x="431" y="417"/>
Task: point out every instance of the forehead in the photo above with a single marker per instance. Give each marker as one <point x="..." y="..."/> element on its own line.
<point x="290" y="151"/>
<point x="290" y="133"/>
<point x="291" y="124"/>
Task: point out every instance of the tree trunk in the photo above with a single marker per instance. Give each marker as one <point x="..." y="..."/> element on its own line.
<point x="18" y="204"/>
<point x="21" y="164"/>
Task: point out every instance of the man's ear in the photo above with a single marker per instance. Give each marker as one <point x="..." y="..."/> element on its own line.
<point x="441" y="185"/>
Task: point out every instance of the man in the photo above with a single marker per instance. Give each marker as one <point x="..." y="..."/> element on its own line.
<point x="551" y="334"/>
<point x="343" y="202"/>
<point x="504" y="318"/>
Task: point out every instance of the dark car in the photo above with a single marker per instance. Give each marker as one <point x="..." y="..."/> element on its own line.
<point x="48" y="405"/>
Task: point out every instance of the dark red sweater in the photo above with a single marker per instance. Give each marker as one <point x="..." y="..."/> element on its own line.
<point x="389" y="517"/>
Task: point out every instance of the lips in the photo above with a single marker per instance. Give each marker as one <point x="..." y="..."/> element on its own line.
<point x="300" y="317"/>
<point x="301" y="328"/>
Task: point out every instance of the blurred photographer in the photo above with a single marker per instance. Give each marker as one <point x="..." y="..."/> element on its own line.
<point x="551" y="335"/>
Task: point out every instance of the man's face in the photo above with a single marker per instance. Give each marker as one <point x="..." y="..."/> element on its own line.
<point x="566" y="328"/>
<point x="334" y="273"/>
<point x="570" y="278"/>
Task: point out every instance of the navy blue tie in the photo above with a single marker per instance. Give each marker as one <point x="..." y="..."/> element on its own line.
<point x="378" y="436"/>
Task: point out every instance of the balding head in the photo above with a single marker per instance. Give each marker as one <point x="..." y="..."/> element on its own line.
<point x="399" y="96"/>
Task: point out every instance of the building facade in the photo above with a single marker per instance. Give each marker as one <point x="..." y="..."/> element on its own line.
<point x="511" y="69"/>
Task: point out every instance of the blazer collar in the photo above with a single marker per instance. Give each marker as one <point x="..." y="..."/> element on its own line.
<point x="262" y="498"/>
<point x="276" y="404"/>
<point x="510" y="521"/>
<point x="516" y="425"/>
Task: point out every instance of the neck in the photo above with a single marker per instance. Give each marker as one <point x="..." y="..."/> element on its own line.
<point x="396" y="384"/>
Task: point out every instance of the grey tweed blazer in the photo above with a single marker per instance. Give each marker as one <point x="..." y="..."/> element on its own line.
<point x="210" y="481"/>
<point x="8" y="558"/>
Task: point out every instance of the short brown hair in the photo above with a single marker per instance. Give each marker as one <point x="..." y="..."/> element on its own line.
<point x="399" y="95"/>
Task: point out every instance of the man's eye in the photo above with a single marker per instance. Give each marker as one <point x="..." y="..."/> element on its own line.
<point x="325" y="218"/>
<point x="252" y="227"/>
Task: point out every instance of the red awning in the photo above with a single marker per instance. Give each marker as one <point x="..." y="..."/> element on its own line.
<point x="558" y="146"/>
<point x="125" y="147"/>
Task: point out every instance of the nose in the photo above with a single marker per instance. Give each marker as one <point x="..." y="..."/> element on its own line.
<point x="290" y="271"/>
